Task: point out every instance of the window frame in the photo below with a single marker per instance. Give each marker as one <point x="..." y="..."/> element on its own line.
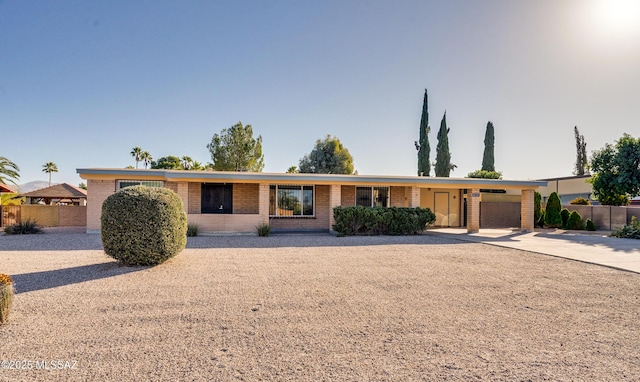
<point x="147" y="183"/>
<point x="372" y="197"/>
<point x="274" y="199"/>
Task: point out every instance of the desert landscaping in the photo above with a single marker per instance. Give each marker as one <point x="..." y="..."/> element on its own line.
<point x="313" y="308"/>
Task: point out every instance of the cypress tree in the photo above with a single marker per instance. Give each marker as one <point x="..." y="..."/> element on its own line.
<point x="443" y="156"/>
<point x="488" y="157"/>
<point x="581" y="154"/>
<point x="553" y="211"/>
<point x="424" y="167"/>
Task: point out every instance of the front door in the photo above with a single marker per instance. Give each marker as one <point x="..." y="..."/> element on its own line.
<point x="441" y="207"/>
<point x="217" y="198"/>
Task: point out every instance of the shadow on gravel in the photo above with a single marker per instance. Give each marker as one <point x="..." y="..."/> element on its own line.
<point x="312" y="240"/>
<point x="51" y="242"/>
<point x="29" y="282"/>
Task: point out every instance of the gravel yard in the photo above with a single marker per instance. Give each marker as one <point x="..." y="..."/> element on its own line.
<point x="315" y="308"/>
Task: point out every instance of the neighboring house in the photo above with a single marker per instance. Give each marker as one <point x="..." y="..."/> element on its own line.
<point x="4" y="189"/>
<point x="240" y="201"/>
<point x="59" y="194"/>
<point x="567" y="188"/>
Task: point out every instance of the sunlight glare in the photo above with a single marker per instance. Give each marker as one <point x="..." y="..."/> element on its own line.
<point x="618" y="18"/>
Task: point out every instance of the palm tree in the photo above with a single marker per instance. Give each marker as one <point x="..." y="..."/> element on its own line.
<point x="197" y="166"/>
<point x="187" y="162"/>
<point x="49" y="167"/>
<point x="136" y="152"/>
<point x="146" y="158"/>
<point x="8" y="171"/>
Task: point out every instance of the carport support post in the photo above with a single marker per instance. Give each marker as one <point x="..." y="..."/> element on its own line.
<point x="414" y="197"/>
<point x="473" y="211"/>
<point x="263" y="202"/>
<point x="527" y="210"/>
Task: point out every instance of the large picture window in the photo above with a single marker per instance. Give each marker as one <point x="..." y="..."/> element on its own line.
<point x="149" y="183"/>
<point x="372" y="196"/>
<point x="290" y="200"/>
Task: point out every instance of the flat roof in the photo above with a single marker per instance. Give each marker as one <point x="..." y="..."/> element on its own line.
<point x="298" y="178"/>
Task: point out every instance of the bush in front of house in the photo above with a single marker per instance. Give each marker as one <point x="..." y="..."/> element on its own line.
<point x="564" y="213"/>
<point x="24" y="228"/>
<point x="552" y="216"/>
<point x="575" y="221"/>
<point x="590" y="225"/>
<point x="537" y="208"/>
<point x="143" y="225"/>
<point x="6" y="296"/>
<point x="361" y="220"/>
<point x="628" y="231"/>
<point x="263" y="230"/>
<point x="580" y="201"/>
<point x="192" y="230"/>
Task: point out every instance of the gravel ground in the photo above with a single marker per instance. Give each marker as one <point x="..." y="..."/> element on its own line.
<point x="315" y="308"/>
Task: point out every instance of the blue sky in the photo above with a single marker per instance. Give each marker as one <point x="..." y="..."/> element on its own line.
<point x="81" y="83"/>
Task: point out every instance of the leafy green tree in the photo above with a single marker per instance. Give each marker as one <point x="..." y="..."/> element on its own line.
<point x="424" y="166"/>
<point x="82" y="185"/>
<point x="484" y="174"/>
<point x="488" y="157"/>
<point x="581" y="167"/>
<point x="197" y="166"/>
<point x="9" y="171"/>
<point x="327" y="157"/>
<point x="553" y="211"/>
<point x="616" y="171"/>
<point x="292" y="170"/>
<point x="168" y="163"/>
<point x="136" y="153"/>
<point x="443" y="155"/>
<point x="146" y="158"/>
<point x="49" y="167"/>
<point x="235" y="149"/>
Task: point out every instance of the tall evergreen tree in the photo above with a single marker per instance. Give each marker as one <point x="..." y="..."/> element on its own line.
<point x="581" y="154"/>
<point x="488" y="157"/>
<point x="424" y="166"/>
<point x="443" y="156"/>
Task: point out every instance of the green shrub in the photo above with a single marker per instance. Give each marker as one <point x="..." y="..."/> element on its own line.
<point x="564" y="213"/>
<point x="537" y="207"/>
<point x="575" y="221"/>
<point x="192" y="230"/>
<point x="580" y="201"/>
<point x="361" y="220"/>
<point x="6" y="296"/>
<point x="552" y="217"/>
<point x="23" y="228"/>
<point x="630" y="231"/>
<point x="590" y="225"/>
<point x="143" y="225"/>
<point x="263" y="230"/>
<point x="540" y="222"/>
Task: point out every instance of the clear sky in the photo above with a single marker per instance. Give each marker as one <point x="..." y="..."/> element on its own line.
<point x="83" y="82"/>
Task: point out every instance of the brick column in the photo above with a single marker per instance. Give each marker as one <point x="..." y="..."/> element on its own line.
<point x="97" y="192"/>
<point x="473" y="210"/>
<point x="527" y="210"/>
<point x="263" y="203"/>
<point x="183" y="192"/>
<point x="414" y="197"/>
<point x="335" y="199"/>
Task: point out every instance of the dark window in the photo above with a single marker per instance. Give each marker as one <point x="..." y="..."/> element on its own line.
<point x="217" y="198"/>
<point x="372" y="196"/>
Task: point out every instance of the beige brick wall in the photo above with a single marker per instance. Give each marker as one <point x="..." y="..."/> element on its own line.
<point x="97" y="192"/>
<point x="348" y="196"/>
<point x="72" y="216"/>
<point x="195" y="200"/>
<point x="245" y="198"/>
<point x="398" y="197"/>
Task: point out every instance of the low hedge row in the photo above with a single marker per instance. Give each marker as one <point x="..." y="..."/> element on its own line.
<point x="381" y="220"/>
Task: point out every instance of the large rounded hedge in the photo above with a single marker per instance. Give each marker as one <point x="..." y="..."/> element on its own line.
<point x="143" y="225"/>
